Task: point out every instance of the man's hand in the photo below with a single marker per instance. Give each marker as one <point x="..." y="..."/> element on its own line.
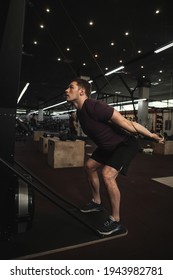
<point x="158" y="138"/>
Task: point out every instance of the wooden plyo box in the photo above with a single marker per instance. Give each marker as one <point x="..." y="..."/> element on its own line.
<point x="63" y="154"/>
<point x="163" y="149"/>
<point x="43" y="144"/>
<point x="37" y="134"/>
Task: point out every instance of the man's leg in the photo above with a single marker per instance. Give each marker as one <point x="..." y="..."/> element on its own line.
<point x="112" y="224"/>
<point x="109" y="176"/>
<point x="91" y="168"/>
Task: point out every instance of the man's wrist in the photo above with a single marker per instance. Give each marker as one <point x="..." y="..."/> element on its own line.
<point x="151" y="135"/>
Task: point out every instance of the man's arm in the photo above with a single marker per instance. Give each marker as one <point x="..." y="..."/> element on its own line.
<point x="134" y="127"/>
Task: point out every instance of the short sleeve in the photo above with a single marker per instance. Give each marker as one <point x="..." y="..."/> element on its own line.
<point x="100" y="110"/>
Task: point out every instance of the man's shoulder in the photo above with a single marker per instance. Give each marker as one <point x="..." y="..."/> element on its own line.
<point x="93" y="102"/>
<point x="91" y="105"/>
<point x="90" y="101"/>
<point x="99" y="109"/>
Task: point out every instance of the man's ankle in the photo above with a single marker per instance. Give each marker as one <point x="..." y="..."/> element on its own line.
<point x="115" y="219"/>
<point x="96" y="201"/>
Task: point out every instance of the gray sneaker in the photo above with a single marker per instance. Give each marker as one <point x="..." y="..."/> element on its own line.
<point x="92" y="207"/>
<point x="110" y="227"/>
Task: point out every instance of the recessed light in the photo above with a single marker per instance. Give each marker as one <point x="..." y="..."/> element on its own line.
<point x="48" y="10"/>
<point x="154" y="84"/>
<point x="59" y="59"/>
<point x="68" y="49"/>
<point x="91" y="22"/>
<point x="126" y="33"/>
<point x="157" y="11"/>
<point x="84" y="64"/>
<point x="35" y="42"/>
<point x="112" y="43"/>
<point x="41" y="26"/>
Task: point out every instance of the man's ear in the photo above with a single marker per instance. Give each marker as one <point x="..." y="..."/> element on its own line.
<point x="81" y="91"/>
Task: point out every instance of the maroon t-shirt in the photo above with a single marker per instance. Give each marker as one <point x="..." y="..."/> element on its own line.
<point x="93" y="117"/>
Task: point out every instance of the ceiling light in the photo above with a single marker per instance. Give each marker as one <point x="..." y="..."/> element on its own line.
<point x="20" y="111"/>
<point x="127" y="101"/>
<point x="84" y="64"/>
<point x="41" y="26"/>
<point x="55" y="105"/>
<point x="68" y="49"/>
<point x="169" y="45"/>
<point x="160" y="71"/>
<point x="115" y="70"/>
<point x="121" y="61"/>
<point x="106" y="68"/>
<point x="96" y="55"/>
<point x="59" y="59"/>
<point x="91" y="23"/>
<point x="48" y="10"/>
<point x="157" y="11"/>
<point x="161" y="103"/>
<point x="126" y="33"/>
<point x="142" y="66"/>
<point x="63" y="112"/>
<point x="35" y="42"/>
<point x="154" y="83"/>
<point x="156" y="104"/>
<point x="22" y="92"/>
<point x="112" y="44"/>
<point x="139" y="51"/>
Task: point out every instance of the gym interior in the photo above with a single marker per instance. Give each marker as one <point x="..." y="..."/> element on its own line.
<point x="43" y="180"/>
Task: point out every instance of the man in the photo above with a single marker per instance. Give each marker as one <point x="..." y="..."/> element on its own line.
<point x="116" y="143"/>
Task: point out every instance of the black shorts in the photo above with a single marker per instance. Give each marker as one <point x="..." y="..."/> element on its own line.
<point x="120" y="157"/>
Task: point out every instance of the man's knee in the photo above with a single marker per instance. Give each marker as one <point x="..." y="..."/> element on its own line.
<point x="91" y="166"/>
<point x="109" y="173"/>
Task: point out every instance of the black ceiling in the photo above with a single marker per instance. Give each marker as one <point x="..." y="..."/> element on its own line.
<point x="67" y="26"/>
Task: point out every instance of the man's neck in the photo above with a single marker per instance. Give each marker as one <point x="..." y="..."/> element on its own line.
<point x="79" y="103"/>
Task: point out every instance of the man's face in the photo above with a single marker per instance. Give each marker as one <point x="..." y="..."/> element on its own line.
<point x="72" y="92"/>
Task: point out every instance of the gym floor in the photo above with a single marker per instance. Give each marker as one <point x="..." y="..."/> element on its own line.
<point x="146" y="211"/>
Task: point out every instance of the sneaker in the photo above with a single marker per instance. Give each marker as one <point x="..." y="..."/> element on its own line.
<point x="92" y="207"/>
<point x="109" y="227"/>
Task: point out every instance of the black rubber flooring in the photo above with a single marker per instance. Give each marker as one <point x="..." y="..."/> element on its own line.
<point x="146" y="211"/>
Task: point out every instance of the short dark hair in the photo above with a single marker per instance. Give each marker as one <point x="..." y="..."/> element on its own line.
<point x="84" y="84"/>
